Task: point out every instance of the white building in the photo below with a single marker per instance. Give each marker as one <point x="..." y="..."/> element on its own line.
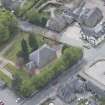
<point x="95" y="77"/>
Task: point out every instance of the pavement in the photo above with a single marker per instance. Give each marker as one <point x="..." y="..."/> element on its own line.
<point x="89" y="56"/>
<point x="7" y="96"/>
<point x="51" y="89"/>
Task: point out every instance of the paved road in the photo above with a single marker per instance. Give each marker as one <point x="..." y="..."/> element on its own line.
<point x="7" y="96"/>
<point x="51" y="89"/>
<point x="89" y="55"/>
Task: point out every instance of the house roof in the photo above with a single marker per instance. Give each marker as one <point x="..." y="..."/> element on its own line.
<point x="43" y="55"/>
<point x="91" y="17"/>
<point x="31" y="65"/>
<point x="68" y="90"/>
<point x="11" y="4"/>
<point x="96" y="32"/>
<point x="57" y="23"/>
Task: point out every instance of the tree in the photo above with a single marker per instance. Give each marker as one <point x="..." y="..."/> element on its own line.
<point x="33" y="42"/>
<point x="25" y="52"/>
<point x="16" y="82"/>
<point x="4" y="33"/>
<point x="8" y="25"/>
<point x="26" y="88"/>
<point x="37" y="18"/>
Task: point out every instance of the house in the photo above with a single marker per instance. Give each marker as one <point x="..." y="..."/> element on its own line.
<point x="11" y="4"/>
<point x="95" y="77"/>
<point x="93" y="35"/>
<point x="41" y="57"/>
<point x="90" y="17"/>
<point x="85" y="16"/>
<point x="67" y="92"/>
<point x="31" y="67"/>
<point x="56" y="24"/>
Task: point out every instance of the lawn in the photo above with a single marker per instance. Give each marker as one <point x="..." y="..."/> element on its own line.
<point x="12" y="69"/>
<point x="5" y="78"/>
<point x="16" y="47"/>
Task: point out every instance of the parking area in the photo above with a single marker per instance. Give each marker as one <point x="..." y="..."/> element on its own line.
<point x="7" y="96"/>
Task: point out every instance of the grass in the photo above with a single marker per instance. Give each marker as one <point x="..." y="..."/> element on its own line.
<point x="3" y="45"/>
<point x="102" y="101"/>
<point x="12" y="69"/>
<point x="16" y="47"/>
<point x="5" y="78"/>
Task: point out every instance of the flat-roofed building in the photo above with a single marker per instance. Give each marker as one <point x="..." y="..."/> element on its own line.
<point x="95" y="77"/>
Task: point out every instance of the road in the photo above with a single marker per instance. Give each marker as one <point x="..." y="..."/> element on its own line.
<point x="89" y="55"/>
<point x="50" y="90"/>
<point x="8" y="97"/>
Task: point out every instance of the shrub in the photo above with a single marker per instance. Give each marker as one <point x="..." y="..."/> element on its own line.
<point x="37" y="18"/>
<point x="69" y="56"/>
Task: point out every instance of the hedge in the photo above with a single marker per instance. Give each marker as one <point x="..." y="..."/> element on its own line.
<point x="69" y="57"/>
<point x="37" y="18"/>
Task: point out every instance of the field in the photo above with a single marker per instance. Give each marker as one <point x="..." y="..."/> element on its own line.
<point x="16" y="47"/>
<point x="12" y="69"/>
<point x="5" y="78"/>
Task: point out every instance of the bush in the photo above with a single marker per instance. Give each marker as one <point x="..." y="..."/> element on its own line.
<point x="37" y="18"/>
<point x="28" y="5"/>
<point x="8" y="25"/>
<point x="70" y="56"/>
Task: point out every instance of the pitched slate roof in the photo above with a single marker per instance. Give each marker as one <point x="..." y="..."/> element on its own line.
<point x="95" y="32"/>
<point x="43" y="56"/>
<point x="91" y="17"/>
<point x="67" y="92"/>
<point x="30" y="66"/>
<point x="57" y="23"/>
<point x="11" y="4"/>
